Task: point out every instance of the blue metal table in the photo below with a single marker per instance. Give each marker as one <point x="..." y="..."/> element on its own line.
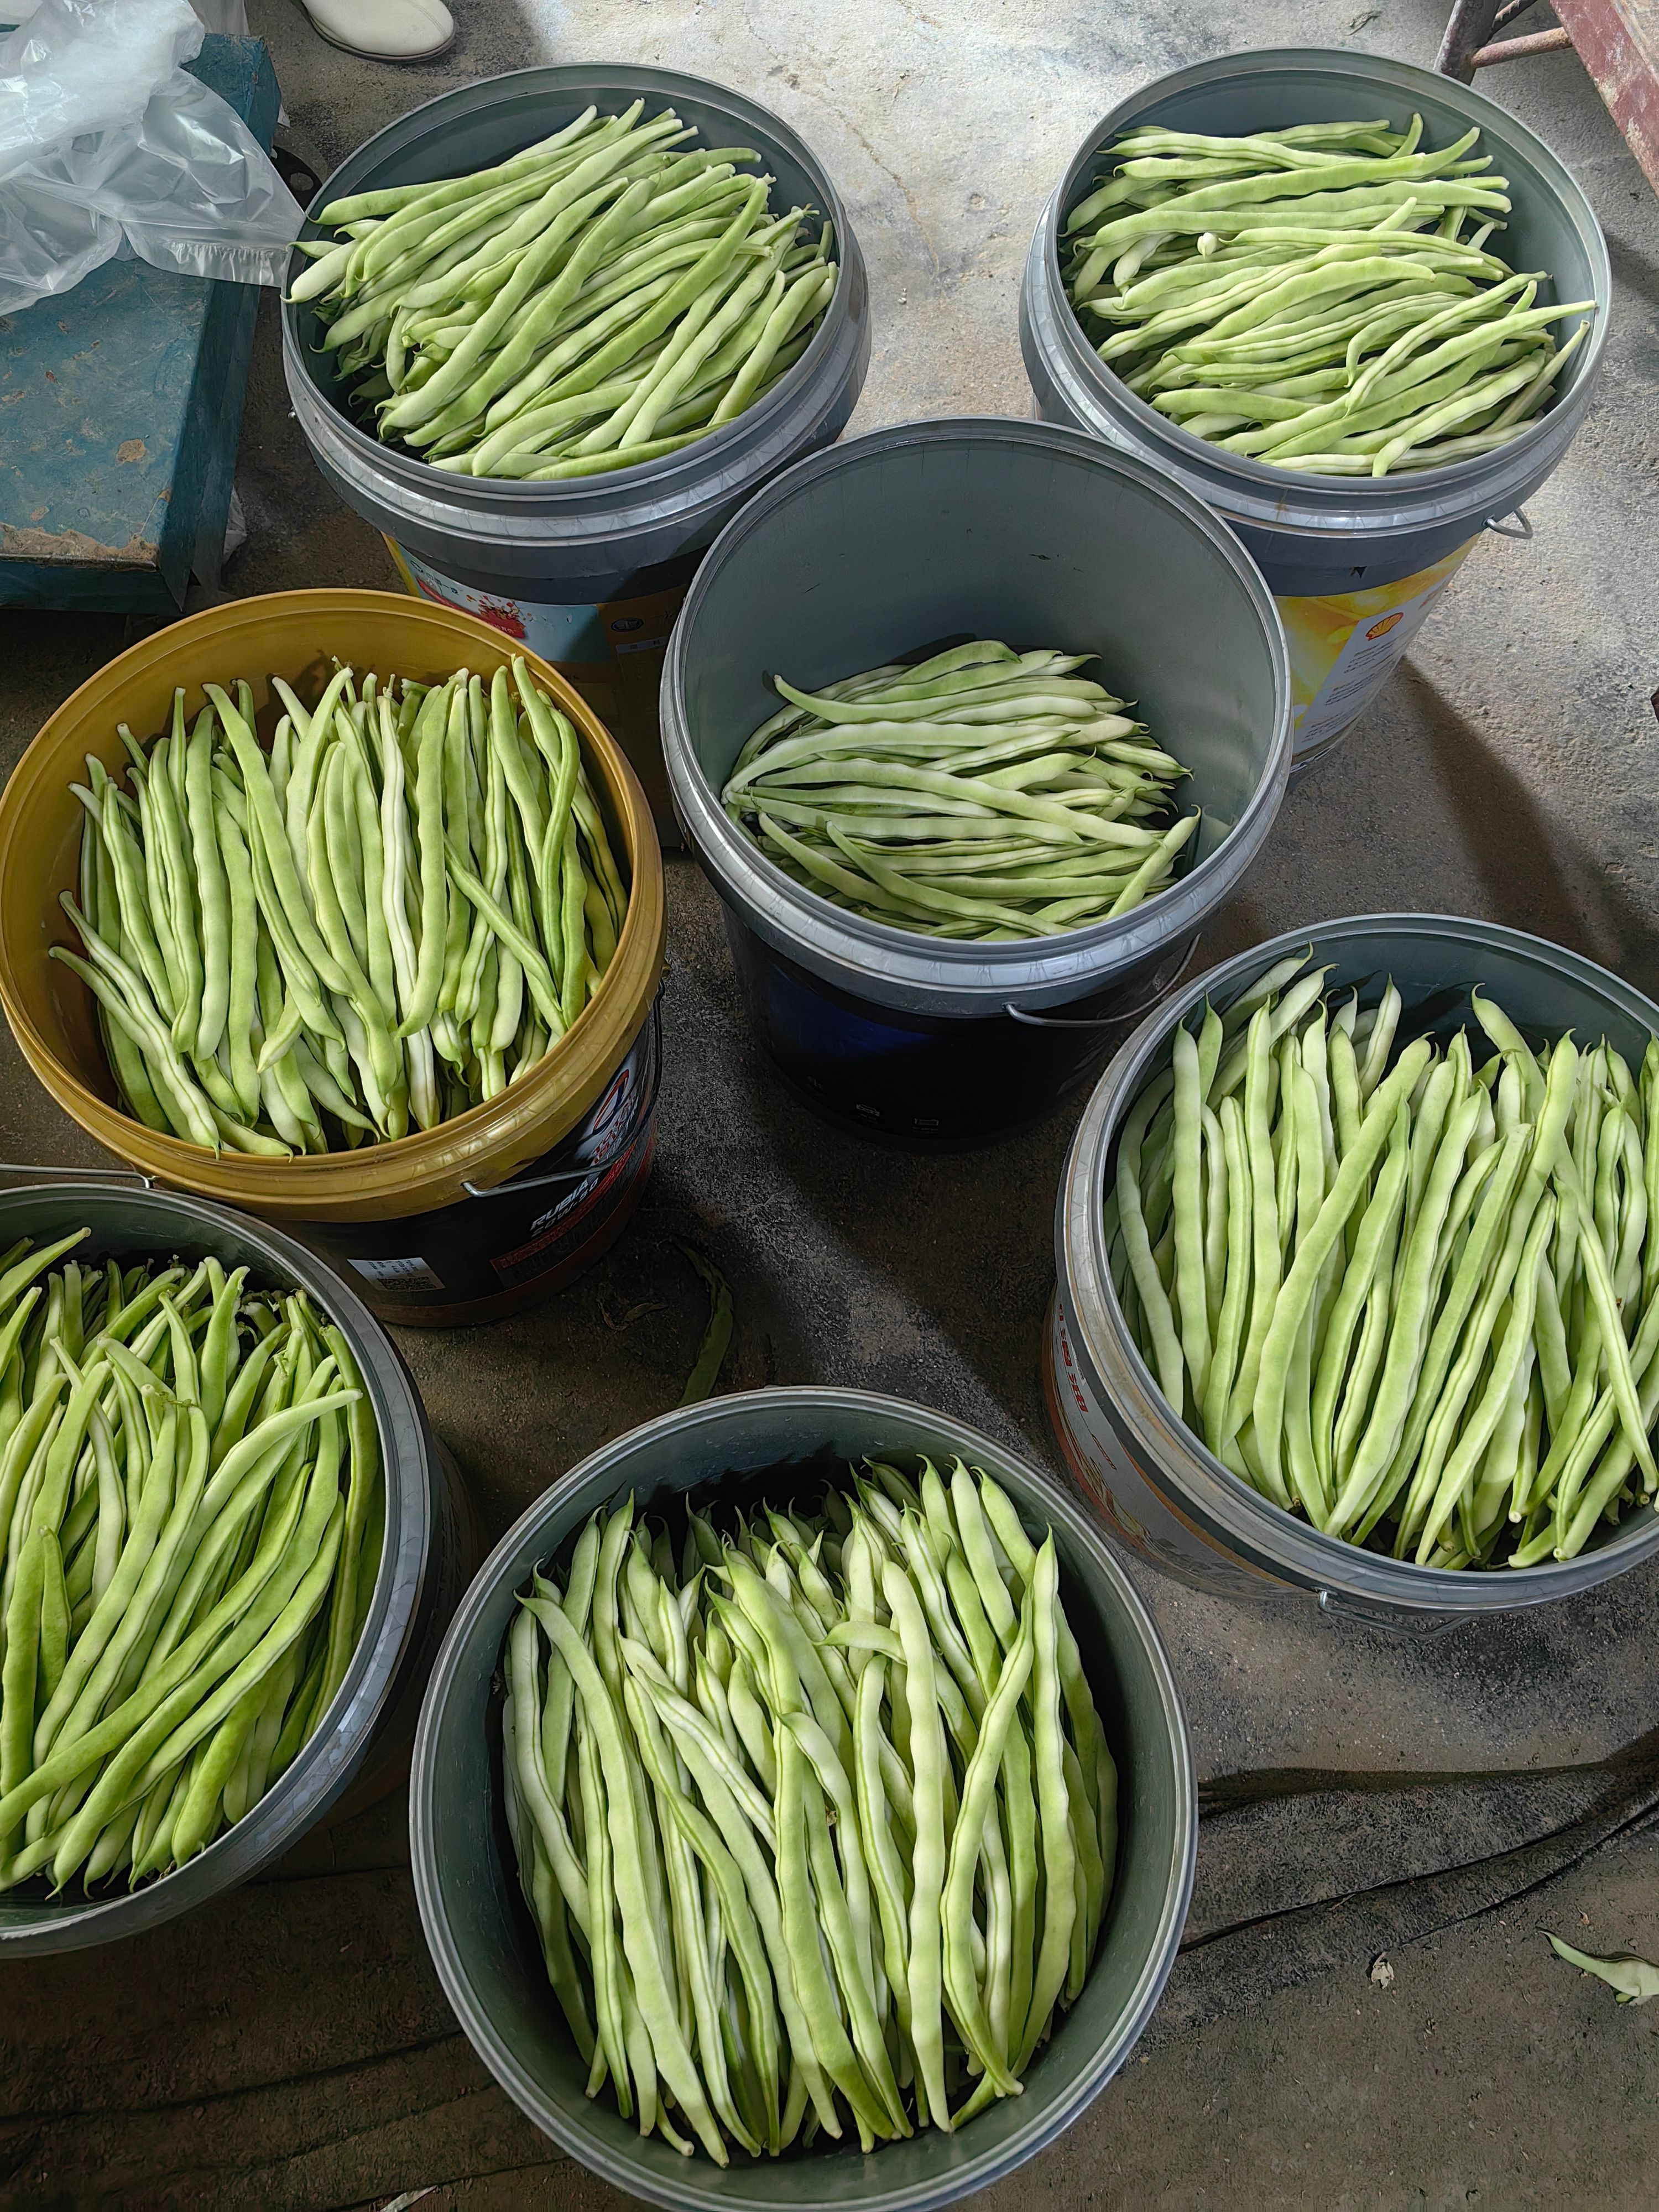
<point x="120" y="407"/>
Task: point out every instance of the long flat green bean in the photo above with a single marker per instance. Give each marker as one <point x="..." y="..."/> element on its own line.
<point x="329" y="938"/>
<point x="886" y="1808"/>
<point x="600" y="285"/>
<point x="1449" y="1265"/>
<point x="873" y="790"/>
<point x="1195" y="255"/>
<point x="166" y="1549"/>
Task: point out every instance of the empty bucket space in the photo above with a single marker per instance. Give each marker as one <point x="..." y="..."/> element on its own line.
<point x="927" y="534"/>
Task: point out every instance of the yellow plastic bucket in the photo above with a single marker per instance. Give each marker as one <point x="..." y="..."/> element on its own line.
<point x="296" y="635"/>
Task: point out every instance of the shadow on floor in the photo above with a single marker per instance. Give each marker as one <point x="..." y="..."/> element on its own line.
<point x="1533" y="873"/>
<point x="1637" y="271"/>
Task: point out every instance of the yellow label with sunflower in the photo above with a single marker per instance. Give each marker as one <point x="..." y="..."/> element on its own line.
<point x="1344" y="647"/>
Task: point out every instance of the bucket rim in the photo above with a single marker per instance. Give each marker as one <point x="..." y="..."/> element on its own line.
<point x="317" y="1186"/>
<point x="320" y="1772"/>
<point x="1242" y="473"/>
<point x="1233" y="1506"/>
<point x="1065" y="1510"/>
<point x="856" y="944"/>
<point x="713" y="455"/>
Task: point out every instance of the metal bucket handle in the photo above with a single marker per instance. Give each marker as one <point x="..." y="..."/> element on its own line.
<point x="1387" y="1619"/>
<point x="593" y="1167"/>
<point x="1121" y="1018"/>
<point x="1495" y="524"/>
<point x="79" y="1174"/>
<point x="536" y="1182"/>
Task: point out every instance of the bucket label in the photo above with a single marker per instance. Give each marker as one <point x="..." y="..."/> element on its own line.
<point x="525" y="1263"/>
<point x="1344" y="648"/>
<point x="412" y="1275"/>
<point x="610" y="1148"/>
<point x="608" y="1126"/>
<point x="612" y="653"/>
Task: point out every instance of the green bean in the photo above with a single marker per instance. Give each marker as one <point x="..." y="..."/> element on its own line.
<point x="115" y="1596"/>
<point x="266" y="826"/>
<point x="1058" y="1846"/>
<point x="1372" y="1248"/>
<point x="139" y="1019"/>
<point x="1371" y="231"/>
<point x="572" y="202"/>
<point x="979" y="1787"/>
<point x="1318" y="1241"/>
<point x="835" y="789"/>
<point x="1235" y="1297"/>
<point x="841" y="1863"/>
<point x="737" y="1919"/>
<point x="1463" y="1462"/>
<point x="640" y="1937"/>
<point x="212" y="890"/>
<point x="179" y="1722"/>
<point x="843" y="1905"/>
<point x="1429" y="1352"/>
<point x="924" y="1971"/>
<point x="454" y="308"/>
<point x="341" y="952"/>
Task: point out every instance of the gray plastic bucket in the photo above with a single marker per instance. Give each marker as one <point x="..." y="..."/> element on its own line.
<point x="984" y="528"/>
<point x="484" y="1943"/>
<point x="1395" y="539"/>
<point x="421" y="1563"/>
<point x="589" y="573"/>
<point x="1154" y="1483"/>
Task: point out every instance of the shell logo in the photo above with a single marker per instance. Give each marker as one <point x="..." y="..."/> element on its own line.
<point x="1381" y="628"/>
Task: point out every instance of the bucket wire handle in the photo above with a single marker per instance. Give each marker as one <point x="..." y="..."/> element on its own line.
<point x="536" y="1182"/>
<point x="1105" y="1021"/>
<point x="645" y="1107"/>
<point x="511" y="1189"/>
<point x="1336" y="1605"/>
<point x="1495" y="524"/>
<point x="119" y="1174"/>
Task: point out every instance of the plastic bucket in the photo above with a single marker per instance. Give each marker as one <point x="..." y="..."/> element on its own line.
<point x="480" y="1932"/>
<point x="294" y="635"/>
<point x="1356" y="563"/>
<point x="422" y="1565"/>
<point x="1155" y="1484"/>
<point x="588" y="573"/>
<point x="983" y="528"/>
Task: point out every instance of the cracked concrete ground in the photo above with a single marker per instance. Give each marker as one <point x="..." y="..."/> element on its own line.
<point x="290" y="2047"/>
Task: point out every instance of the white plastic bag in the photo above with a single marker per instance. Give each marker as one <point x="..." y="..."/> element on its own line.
<point x="228" y="16"/>
<point x="107" y="146"/>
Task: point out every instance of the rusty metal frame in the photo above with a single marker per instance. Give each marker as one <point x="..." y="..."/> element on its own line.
<point x="1469" y="44"/>
<point x="1617" y="40"/>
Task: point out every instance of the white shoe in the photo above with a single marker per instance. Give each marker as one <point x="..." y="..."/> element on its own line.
<point x="385" y="30"/>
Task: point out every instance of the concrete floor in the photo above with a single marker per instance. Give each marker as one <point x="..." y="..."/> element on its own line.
<point x="291" y="2048"/>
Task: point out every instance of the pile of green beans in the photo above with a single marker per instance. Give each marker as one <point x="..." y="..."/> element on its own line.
<point x="598" y="300"/>
<point x="389" y="917"/>
<point x="191" y="1509"/>
<point x="822" y="1825"/>
<point x="1307" y="296"/>
<point x="1414" y="1297"/>
<point x="982" y="793"/>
